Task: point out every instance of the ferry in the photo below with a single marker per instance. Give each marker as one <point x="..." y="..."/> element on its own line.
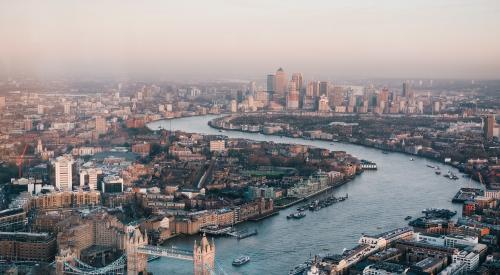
<point x="241" y="260"/>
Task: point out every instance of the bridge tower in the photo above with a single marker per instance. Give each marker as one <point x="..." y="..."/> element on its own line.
<point x="204" y="257"/>
<point x="137" y="263"/>
<point x="65" y="256"/>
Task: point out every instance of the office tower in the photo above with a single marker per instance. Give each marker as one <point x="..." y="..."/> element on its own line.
<point x="297" y="78"/>
<point x="63" y="167"/>
<point x="292" y="97"/>
<point x="281" y="82"/>
<point x="312" y="89"/>
<point x="323" y="104"/>
<point x="489" y="126"/>
<point x="323" y="88"/>
<point x="100" y="125"/>
<point x="271" y="83"/>
<point x="2" y="102"/>
<point x="406" y="88"/>
<point x="252" y="88"/>
<point x="67" y="108"/>
<point x="336" y="96"/>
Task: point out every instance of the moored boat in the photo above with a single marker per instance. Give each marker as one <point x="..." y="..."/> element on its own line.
<point x="241" y="260"/>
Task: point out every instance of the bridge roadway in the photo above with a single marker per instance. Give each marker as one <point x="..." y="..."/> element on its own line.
<point x="168" y="252"/>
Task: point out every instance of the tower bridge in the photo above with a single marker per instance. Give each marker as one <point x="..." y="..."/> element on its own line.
<point x="134" y="260"/>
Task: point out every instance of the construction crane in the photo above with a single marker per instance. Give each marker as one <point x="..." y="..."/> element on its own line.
<point x="19" y="161"/>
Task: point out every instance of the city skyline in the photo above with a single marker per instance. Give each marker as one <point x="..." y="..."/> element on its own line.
<point x="206" y="41"/>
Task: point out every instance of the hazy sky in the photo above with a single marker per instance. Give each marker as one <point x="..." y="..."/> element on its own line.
<point x="248" y="39"/>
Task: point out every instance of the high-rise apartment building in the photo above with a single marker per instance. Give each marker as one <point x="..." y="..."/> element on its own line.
<point x="63" y="168"/>
<point x="2" y="102"/>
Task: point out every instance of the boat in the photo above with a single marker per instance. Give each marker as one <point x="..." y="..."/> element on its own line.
<point x="411" y="159"/>
<point x="430" y="166"/>
<point x="385" y="152"/>
<point x="408" y="218"/>
<point x="296" y="215"/>
<point x="241" y="260"/>
<point x="438" y="172"/>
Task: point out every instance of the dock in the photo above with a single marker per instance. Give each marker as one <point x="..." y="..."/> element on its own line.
<point x="242" y="234"/>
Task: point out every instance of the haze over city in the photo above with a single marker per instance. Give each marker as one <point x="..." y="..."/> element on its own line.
<point x="208" y="40"/>
<point x="264" y="137"/>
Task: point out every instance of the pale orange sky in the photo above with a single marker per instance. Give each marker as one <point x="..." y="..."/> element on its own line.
<point x="248" y="39"/>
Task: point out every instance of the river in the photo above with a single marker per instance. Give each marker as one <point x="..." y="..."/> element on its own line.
<point x="378" y="201"/>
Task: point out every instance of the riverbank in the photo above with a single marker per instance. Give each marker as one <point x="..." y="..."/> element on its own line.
<point x="457" y="165"/>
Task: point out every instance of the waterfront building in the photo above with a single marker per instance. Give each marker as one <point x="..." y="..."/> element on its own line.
<point x="27" y="246"/>
<point x="469" y="258"/>
<point x="63" y="167"/>
<point x="385" y="268"/>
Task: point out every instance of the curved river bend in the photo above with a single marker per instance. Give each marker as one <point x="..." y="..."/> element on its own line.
<point x="378" y="201"/>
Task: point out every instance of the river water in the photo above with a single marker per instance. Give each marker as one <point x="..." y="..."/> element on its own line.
<point x="378" y="201"/>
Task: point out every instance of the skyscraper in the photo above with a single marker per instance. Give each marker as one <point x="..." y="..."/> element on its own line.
<point x="323" y="88"/>
<point x="489" y="126"/>
<point x="292" y="97"/>
<point x="297" y="78"/>
<point x="271" y="83"/>
<point x="2" y="102"/>
<point x="63" y="167"/>
<point x="406" y="88"/>
<point x="281" y="82"/>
